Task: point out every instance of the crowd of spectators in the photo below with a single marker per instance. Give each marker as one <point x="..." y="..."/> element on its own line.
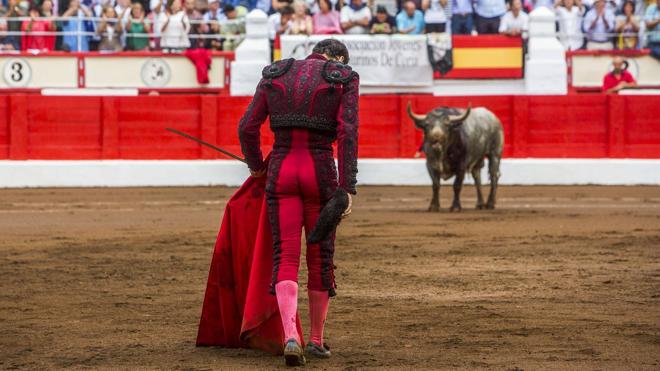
<point x="590" y="24"/>
<point x="175" y="25"/>
<point x="116" y="25"/>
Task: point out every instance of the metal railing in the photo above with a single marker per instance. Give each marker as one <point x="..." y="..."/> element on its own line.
<point x="96" y="21"/>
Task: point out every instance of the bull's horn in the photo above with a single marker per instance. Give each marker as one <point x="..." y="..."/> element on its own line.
<point x="413" y="115"/>
<point x="463" y="116"/>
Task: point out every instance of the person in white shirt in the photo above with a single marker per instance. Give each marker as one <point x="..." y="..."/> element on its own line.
<point x="174" y="28"/>
<point x="355" y="18"/>
<point x="515" y="22"/>
<point x="569" y="17"/>
<point x="435" y="17"/>
<point x="280" y="23"/>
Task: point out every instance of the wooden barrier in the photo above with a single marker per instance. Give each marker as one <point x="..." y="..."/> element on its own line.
<point x="75" y="128"/>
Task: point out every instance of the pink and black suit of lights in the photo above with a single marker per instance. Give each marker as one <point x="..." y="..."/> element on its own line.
<point x="311" y="103"/>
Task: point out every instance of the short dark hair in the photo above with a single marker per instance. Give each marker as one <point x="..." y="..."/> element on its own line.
<point x="626" y="3"/>
<point x="228" y="8"/>
<point x="381" y="9"/>
<point x="332" y="48"/>
<point x="287" y="9"/>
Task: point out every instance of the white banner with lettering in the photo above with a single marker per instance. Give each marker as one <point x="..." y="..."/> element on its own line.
<point x="381" y="60"/>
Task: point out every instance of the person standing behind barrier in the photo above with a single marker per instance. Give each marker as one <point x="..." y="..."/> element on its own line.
<point x="355" y="18"/>
<point x="13" y="11"/>
<point x="383" y="22"/>
<point x="174" y="28"/>
<point x="515" y="22"/>
<point x="211" y="25"/>
<point x="599" y="24"/>
<point x="196" y="26"/>
<point x="410" y="20"/>
<point x="301" y="22"/>
<point x="434" y="15"/>
<point x="489" y="13"/>
<point x="33" y="29"/>
<point x="75" y="26"/>
<point x="110" y="29"/>
<point x="569" y="17"/>
<point x="652" y="19"/>
<point x="627" y="27"/>
<point x="462" y="19"/>
<point x="326" y="20"/>
<point x="619" y="78"/>
<point x="137" y="29"/>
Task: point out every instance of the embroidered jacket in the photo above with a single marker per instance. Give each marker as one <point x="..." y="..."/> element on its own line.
<point x="315" y="94"/>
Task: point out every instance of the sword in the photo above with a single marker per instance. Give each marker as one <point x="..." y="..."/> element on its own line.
<point x="206" y="144"/>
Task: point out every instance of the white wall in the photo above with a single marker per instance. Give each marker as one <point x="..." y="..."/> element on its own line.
<point x="120" y="173"/>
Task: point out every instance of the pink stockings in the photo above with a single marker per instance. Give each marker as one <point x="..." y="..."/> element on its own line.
<point x="287" y="300"/>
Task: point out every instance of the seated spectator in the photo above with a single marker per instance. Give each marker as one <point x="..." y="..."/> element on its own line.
<point x="13" y="11"/>
<point x="196" y="24"/>
<point x="435" y="18"/>
<point x="619" y="78"/>
<point x="280" y="22"/>
<point x="515" y="22"/>
<point x="75" y="25"/>
<point x="462" y="19"/>
<point x="301" y="22"/>
<point x="627" y="27"/>
<point x="489" y="13"/>
<point x="383" y="22"/>
<point x="599" y="23"/>
<point x="39" y="42"/>
<point x="652" y="19"/>
<point x="110" y="30"/>
<point x="137" y="29"/>
<point x="235" y="28"/>
<point x="410" y="20"/>
<point x="569" y="17"/>
<point x="326" y="20"/>
<point x="355" y="18"/>
<point x="174" y="28"/>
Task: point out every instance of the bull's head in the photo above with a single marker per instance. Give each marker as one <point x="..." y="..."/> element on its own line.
<point x="438" y="123"/>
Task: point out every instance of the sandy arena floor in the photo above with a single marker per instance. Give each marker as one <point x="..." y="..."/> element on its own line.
<point x="556" y="278"/>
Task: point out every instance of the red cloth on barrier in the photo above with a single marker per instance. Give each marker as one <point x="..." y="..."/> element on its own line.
<point x="201" y="58"/>
<point x="238" y="310"/>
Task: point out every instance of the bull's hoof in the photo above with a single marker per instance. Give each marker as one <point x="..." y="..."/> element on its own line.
<point x="434" y="208"/>
<point x="455" y="208"/>
<point x="481" y="206"/>
<point x="490" y="206"/>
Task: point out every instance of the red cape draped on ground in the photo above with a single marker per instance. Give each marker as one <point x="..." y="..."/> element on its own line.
<point x="238" y="309"/>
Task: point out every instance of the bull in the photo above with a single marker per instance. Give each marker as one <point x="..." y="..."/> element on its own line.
<point x="457" y="141"/>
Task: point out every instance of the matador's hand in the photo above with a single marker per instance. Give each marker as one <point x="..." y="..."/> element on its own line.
<point x="348" y="210"/>
<point x="260" y="173"/>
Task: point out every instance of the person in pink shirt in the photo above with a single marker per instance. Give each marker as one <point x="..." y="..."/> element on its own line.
<point x="326" y="20"/>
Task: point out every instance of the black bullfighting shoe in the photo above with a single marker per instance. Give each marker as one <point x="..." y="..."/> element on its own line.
<point x="293" y="353"/>
<point x="318" y="351"/>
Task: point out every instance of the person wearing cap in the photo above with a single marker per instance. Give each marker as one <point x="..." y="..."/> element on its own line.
<point x="599" y="25"/>
<point x="383" y="22"/>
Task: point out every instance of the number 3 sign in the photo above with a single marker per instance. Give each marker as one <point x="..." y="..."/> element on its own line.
<point x="17" y="72"/>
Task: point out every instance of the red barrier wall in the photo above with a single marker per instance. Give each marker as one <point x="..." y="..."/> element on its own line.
<point x="589" y="126"/>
